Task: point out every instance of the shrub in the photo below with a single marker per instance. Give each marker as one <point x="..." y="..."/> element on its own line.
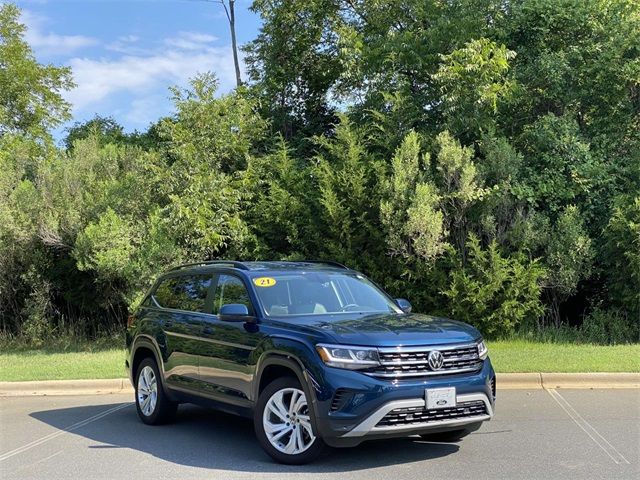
<point x="609" y="327"/>
<point x="495" y="293"/>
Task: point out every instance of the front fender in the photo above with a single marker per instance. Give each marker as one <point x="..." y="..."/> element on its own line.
<point x="297" y="357"/>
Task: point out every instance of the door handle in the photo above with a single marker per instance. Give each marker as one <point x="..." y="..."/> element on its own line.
<point x="208" y="331"/>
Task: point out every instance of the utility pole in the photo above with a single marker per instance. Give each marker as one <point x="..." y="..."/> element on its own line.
<point x="231" y="16"/>
<point x="230" y="12"/>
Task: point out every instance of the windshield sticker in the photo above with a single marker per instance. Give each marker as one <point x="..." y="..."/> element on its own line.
<point x="264" y="282"/>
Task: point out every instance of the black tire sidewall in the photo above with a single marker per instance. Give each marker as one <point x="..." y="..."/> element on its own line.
<point x="313" y="452"/>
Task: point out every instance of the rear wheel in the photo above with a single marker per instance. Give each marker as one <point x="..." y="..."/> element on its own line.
<point x="153" y="405"/>
<point x="283" y="423"/>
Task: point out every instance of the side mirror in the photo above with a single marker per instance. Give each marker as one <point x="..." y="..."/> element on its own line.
<point x="404" y="305"/>
<point x="235" y="312"/>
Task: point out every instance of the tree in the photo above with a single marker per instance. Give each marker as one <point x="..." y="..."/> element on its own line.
<point x="348" y="196"/>
<point x="622" y="257"/>
<point x="106" y="128"/>
<point x="292" y="68"/>
<point x="473" y="80"/>
<point x="457" y="177"/>
<point x="219" y="132"/>
<point x="494" y="292"/>
<point x="410" y="210"/>
<point x="30" y="93"/>
<point x="569" y="258"/>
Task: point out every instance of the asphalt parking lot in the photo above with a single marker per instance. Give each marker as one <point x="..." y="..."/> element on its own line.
<point x="544" y="434"/>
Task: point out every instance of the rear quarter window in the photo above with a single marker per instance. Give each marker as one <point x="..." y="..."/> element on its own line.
<point x="183" y="293"/>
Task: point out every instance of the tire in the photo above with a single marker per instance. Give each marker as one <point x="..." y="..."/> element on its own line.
<point x="451" y="436"/>
<point x="152" y="404"/>
<point x="282" y="409"/>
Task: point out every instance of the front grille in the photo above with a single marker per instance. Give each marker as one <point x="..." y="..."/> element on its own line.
<point x="414" y="361"/>
<point x="419" y="415"/>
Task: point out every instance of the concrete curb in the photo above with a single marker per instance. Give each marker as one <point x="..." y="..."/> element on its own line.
<point x="65" y="387"/>
<point x="517" y="381"/>
<point x="508" y="381"/>
<point x="505" y="381"/>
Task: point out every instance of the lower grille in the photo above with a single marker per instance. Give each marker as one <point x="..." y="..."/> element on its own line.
<point x="340" y="398"/>
<point x="416" y="415"/>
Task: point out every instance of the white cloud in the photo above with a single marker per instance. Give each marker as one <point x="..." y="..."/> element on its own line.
<point x="142" y="75"/>
<point x="131" y="78"/>
<point x="49" y="43"/>
<point x="190" y="40"/>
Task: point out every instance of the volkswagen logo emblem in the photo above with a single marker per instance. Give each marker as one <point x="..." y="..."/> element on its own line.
<point x="436" y="360"/>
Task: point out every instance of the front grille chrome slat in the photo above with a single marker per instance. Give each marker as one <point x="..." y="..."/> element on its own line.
<point x="420" y="415"/>
<point x="414" y="361"/>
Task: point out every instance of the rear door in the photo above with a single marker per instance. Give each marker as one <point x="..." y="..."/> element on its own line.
<point x="183" y="304"/>
<point x="226" y="365"/>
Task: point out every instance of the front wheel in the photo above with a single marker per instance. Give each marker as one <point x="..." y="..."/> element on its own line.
<point x="153" y="405"/>
<point x="283" y="423"/>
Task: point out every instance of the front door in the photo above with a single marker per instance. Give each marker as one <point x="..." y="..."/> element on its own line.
<point x="226" y="366"/>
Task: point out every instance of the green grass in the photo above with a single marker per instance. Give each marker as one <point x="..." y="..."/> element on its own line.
<point x="526" y="356"/>
<point x="506" y="355"/>
<point x="39" y="365"/>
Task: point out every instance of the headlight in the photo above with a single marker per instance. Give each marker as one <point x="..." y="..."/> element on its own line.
<point x="482" y="350"/>
<point x="353" y="358"/>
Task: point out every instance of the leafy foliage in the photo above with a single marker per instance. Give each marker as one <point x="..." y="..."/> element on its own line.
<point x="479" y="157"/>
<point x="493" y="292"/>
<point x="30" y="93"/>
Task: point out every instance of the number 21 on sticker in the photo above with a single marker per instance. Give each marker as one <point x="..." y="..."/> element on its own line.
<point x="264" y="281"/>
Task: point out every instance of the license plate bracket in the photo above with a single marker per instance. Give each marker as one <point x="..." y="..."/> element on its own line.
<point x="436" y="398"/>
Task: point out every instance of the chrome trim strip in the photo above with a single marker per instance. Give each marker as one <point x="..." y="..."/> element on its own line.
<point x="368" y="426"/>
<point x="463" y="358"/>
<point x="426" y="373"/>
<point x="210" y="340"/>
<point x="425" y="348"/>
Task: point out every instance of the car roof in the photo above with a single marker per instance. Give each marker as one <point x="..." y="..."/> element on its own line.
<point x="263" y="266"/>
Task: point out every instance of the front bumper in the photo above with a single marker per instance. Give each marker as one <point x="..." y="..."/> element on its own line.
<point x="371" y="399"/>
<point x="370" y="425"/>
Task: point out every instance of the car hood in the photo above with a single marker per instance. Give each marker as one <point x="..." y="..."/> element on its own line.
<point x="391" y="330"/>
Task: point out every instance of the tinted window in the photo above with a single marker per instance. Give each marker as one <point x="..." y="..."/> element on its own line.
<point x="317" y="293"/>
<point x="183" y="293"/>
<point x="230" y="289"/>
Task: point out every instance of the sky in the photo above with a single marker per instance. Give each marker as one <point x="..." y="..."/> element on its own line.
<point x="125" y="55"/>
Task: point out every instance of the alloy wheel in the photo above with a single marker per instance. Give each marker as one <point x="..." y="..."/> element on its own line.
<point x="147" y="391"/>
<point x="287" y="423"/>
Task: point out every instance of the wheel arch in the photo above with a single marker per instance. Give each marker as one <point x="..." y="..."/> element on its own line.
<point x="276" y="365"/>
<point x="286" y="363"/>
<point x="145" y="347"/>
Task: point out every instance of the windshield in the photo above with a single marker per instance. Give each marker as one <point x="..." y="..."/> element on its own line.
<point x="318" y="293"/>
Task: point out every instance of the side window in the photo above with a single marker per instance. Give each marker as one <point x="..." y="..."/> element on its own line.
<point x="230" y="289"/>
<point x="148" y="302"/>
<point x="183" y="293"/>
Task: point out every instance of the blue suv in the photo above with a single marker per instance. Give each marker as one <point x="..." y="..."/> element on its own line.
<point x="314" y="352"/>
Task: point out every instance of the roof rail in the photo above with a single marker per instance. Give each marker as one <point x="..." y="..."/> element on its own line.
<point x="326" y="262"/>
<point x="230" y="263"/>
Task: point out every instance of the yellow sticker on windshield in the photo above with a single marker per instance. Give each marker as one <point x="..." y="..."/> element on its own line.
<point x="264" y="281"/>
